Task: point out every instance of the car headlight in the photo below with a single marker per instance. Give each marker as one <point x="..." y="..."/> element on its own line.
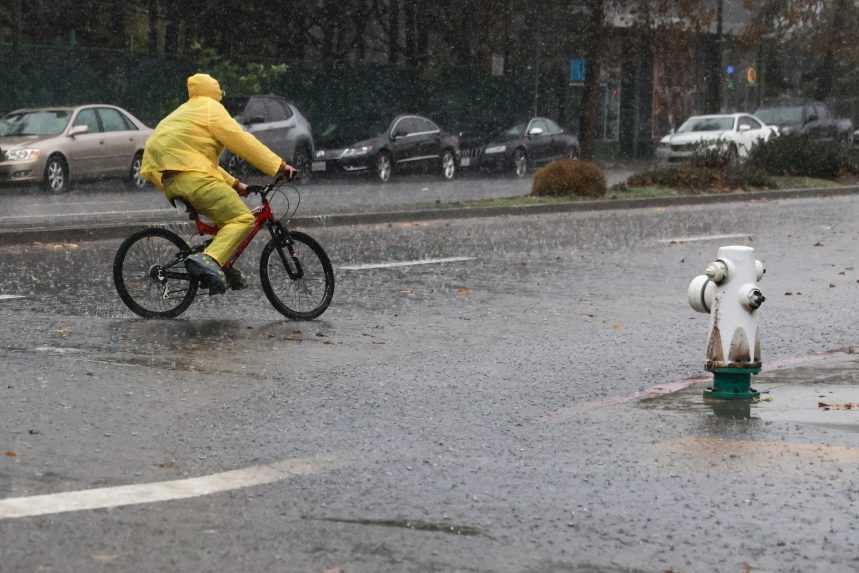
<point x="20" y="154"/>
<point x="357" y="151"/>
<point x="495" y="149"/>
<point x="320" y="154"/>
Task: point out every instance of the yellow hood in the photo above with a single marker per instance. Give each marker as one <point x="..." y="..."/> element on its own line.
<point x="204" y="85"/>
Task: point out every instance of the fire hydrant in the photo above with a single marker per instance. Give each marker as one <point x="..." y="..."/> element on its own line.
<point x="728" y="292"/>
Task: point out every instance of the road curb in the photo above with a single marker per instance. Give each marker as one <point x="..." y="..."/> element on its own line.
<point x="121" y="229"/>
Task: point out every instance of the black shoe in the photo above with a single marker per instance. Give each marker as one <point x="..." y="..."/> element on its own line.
<point x="235" y="279"/>
<point x="208" y="271"/>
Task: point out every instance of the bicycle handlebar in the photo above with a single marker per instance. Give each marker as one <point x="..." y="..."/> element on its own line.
<point x="265" y="189"/>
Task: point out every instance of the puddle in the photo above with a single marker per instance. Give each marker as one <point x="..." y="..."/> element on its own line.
<point x="416" y="525"/>
<point x="818" y="394"/>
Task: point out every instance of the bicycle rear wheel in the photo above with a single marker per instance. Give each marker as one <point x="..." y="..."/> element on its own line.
<point x="297" y="277"/>
<point x="149" y="274"/>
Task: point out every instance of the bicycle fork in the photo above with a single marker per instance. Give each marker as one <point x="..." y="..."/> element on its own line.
<point x="286" y="250"/>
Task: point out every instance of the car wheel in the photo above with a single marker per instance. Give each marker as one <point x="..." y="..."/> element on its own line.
<point x="56" y="175"/>
<point x="384" y="167"/>
<point x="448" y="165"/>
<point x="135" y="179"/>
<point x="520" y="163"/>
<point x="301" y="162"/>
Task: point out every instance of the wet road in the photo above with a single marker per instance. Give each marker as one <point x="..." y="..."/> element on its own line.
<point x="468" y="416"/>
<point x="103" y="201"/>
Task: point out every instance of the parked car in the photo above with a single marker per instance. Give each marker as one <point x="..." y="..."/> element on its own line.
<point x="275" y="122"/>
<point x="811" y="118"/>
<point x="55" y="145"/>
<point x="405" y="143"/>
<point x="735" y="133"/>
<point x="525" y="145"/>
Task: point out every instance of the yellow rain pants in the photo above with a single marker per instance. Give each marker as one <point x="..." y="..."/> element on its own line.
<point x="213" y="198"/>
<point x="188" y="144"/>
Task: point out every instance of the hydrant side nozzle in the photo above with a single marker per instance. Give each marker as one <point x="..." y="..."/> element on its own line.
<point x="751" y="297"/>
<point x="701" y="293"/>
<point x="761" y="269"/>
<point x="717" y="271"/>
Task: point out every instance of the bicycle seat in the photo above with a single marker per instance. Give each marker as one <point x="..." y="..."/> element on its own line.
<point x="192" y="213"/>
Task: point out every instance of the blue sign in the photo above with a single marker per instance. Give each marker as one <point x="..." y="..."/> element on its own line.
<point x="577" y="69"/>
<point x="730" y="70"/>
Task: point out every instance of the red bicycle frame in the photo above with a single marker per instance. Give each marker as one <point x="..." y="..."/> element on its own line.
<point x="262" y="215"/>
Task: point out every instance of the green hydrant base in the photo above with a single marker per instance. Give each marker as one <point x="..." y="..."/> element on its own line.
<point x="733" y="384"/>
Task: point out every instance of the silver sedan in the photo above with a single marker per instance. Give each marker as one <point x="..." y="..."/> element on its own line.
<point x="55" y="145"/>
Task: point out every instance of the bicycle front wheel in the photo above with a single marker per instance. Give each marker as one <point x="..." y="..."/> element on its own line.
<point x="149" y="274"/>
<point x="297" y="276"/>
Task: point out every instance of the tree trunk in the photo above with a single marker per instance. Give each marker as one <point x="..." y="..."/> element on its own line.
<point x="411" y="41"/>
<point x="393" y="31"/>
<point x="423" y="24"/>
<point x="171" y="35"/>
<point x="591" y="92"/>
<point x="153" y="27"/>
<point x="19" y="24"/>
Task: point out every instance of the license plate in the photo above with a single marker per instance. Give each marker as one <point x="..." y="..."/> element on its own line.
<point x="465" y="161"/>
<point x="318" y="166"/>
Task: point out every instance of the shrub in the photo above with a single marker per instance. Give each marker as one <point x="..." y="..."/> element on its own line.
<point x="799" y="155"/>
<point x="745" y="176"/>
<point x="712" y="156"/>
<point x="569" y="177"/>
<point x="681" y="177"/>
<point x="703" y="179"/>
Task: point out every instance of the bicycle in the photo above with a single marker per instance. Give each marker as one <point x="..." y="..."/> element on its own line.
<point x="150" y="277"/>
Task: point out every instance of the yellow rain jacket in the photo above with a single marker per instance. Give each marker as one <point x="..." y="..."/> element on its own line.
<point x="192" y="138"/>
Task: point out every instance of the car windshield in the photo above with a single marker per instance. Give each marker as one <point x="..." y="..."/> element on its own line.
<point x="511" y="132"/>
<point x="780" y="115"/>
<point x="235" y="105"/>
<point x="343" y="133"/>
<point x="697" y="124"/>
<point x="47" y="122"/>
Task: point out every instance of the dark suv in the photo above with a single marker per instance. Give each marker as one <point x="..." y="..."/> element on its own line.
<point x="275" y="122"/>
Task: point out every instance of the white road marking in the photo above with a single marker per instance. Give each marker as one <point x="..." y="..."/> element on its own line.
<point x="11" y="296"/>
<point x="405" y="264"/>
<point x="160" y="491"/>
<point x="706" y="238"/>
<point x="88" y="214"/>
<point x="57" y="350"/>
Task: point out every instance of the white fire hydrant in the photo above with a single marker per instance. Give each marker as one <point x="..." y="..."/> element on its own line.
<point x="728" y="292"/>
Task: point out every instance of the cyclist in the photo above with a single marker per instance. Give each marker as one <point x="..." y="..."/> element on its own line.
<point x="181" y="159"/>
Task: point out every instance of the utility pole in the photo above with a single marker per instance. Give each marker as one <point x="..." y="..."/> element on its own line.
<point x="716" y="80"/>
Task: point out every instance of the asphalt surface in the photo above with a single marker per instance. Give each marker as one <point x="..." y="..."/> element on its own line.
<point x="475" y="416"/>
<point x="107" y="201"/>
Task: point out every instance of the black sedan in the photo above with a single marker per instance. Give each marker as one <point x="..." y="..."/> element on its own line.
<point x="409" y="142"/>
<point x="525" y="145"/>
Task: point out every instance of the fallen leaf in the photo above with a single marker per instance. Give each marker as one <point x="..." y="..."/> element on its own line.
<point x="843" y="406"/>
<point x="10" y="454"/>
<point x="463" y="292"/>
<point x="617" y="326"/>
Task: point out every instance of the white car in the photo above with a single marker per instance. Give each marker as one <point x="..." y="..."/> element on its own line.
<point x="734" y="133"/>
